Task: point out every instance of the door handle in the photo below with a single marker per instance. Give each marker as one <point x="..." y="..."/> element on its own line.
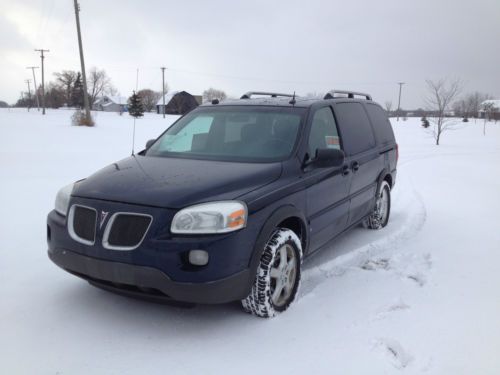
<point x="345" y="170"/>
<point x="354" y="166"/>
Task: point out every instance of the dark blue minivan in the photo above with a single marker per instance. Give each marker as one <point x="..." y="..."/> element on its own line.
<point x="228" y="201"/>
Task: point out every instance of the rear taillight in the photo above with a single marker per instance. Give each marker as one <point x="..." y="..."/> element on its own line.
<point x="397" y="152"/>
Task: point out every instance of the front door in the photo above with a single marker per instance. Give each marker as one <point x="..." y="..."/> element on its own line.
<point x="328" y="188"/>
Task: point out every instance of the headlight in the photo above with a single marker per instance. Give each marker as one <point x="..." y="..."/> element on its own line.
<point x="62" y="199"/>
<point x="215" y="217"/>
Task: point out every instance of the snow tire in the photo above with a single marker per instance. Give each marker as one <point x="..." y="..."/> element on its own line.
<point x="380" y="215"/>
<point x="262" y="301"/>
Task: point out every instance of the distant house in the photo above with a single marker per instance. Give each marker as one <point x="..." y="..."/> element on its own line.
<point x="495" y="112"/>
<point x="109" y="103"/>
<point x="178" y="103"/>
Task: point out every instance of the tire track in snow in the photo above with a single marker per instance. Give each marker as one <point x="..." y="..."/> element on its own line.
<point x="398" y="356"/>
<point x="412" y="213"/>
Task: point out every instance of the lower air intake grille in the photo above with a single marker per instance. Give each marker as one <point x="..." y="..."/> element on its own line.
<point x="126" y="231"/>
<point x="83" y="220"/>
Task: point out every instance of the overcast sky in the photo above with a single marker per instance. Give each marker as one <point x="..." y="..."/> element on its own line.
<point x="306" y="46"/>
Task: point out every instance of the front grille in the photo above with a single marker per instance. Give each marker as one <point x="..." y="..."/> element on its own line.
<point x="125" y="231"/>
<point x="83" y="224"/>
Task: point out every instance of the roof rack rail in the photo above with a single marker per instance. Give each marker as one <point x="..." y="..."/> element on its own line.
<point x="249" y="94"/>
<point x="350" y="94"/>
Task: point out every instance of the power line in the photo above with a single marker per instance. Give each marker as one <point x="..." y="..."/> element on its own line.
<point x="118" y="68"/>
<point x="40" y="23"/>
<point x="29" y="93"/>
<point x="399" y="101"/>
<point x="47" y="22"/>
<point x="63" y="21"/>
<point x="42" y="57"/>
<point x="36" y="87"/>
<point x="163" y="88"/>
<point x="82" y="62"/>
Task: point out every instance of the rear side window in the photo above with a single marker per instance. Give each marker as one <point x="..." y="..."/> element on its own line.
<point x="324" y="132"/>
<point x="381" y="124"/>
<point x="357" y="133"/>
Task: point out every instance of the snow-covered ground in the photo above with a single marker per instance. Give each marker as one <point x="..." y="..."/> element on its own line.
<point x="420" y="296"/>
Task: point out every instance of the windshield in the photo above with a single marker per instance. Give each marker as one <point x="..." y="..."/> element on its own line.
<point x="231" y="133"/>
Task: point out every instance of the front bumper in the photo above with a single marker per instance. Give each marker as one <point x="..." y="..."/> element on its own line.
<point x="160" y="264"/>
<point x="148" y="282"/>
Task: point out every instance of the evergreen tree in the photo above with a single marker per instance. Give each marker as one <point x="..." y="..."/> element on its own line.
<point x="135" y="107"/>
<point x="77" y="93"/>
<point x="425" y="122"/>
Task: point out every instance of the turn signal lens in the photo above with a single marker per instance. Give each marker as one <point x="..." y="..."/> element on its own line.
<point x="237" y="219"/>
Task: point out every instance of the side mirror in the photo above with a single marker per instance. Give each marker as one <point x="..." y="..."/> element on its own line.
<point x="150" y="142"/>
<point x="328" y="157"/>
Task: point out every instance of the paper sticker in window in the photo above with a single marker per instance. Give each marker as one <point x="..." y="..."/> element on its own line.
<point x="332" y="141"/>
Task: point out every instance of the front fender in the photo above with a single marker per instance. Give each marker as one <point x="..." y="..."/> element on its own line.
<point x="280" y="214"/>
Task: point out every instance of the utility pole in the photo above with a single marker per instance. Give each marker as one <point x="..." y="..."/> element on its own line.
<point x="163" y="87"/>
<point x="84" y="78"/>
<point x="29" y="94"/>
<point x="36" y="88"/>
<point x="399" y="101"/>
<point x="43" y="77"/>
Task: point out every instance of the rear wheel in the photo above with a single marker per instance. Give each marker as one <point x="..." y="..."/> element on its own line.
<point x="278" y="275"/>
<point x="380" y="215"/>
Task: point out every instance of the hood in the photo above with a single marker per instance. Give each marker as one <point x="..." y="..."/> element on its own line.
<point x="175" y="182"/>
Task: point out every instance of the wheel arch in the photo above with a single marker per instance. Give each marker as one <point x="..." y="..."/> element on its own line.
<point x="287" y="216"/>
<point x="385" y="175"/>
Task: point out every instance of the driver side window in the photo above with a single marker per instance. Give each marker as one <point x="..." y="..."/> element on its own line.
<point x="324" y="132"/>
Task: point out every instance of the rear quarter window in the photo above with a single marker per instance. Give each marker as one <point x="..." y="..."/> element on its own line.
<point x="355" y="128"/>
<point x="381" y="124"/>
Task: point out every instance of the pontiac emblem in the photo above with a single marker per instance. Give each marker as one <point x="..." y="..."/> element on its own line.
<point x="104" y="215"/>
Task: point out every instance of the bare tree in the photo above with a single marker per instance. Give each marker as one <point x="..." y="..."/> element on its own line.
<point x="111" y="90"/>
<point x="441" y="95"/>
<point x="211" y="94"/>
<point x="458" y="107"/>
<point x="55" y="95"/>
<point x="489" y="109"/>
<point x="65" y="80"/>
<point x="149" y="98"/>
<point x="314" y="94"/>
<point x="98" y="84"/>
<point x="388" y="106"/>
<point x="474" y="101"/>
<point x="462" y="108"/>
<point x="470" y="104"/>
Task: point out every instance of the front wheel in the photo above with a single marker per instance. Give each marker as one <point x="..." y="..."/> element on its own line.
<point x="278" y="275"/>
<point x="380" y="214"/>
